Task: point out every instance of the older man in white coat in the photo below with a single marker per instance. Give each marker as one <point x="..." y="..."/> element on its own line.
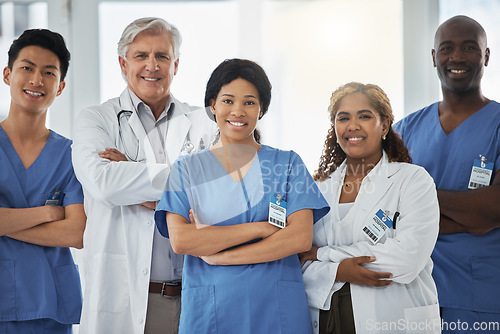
<point x="122" y="152"/>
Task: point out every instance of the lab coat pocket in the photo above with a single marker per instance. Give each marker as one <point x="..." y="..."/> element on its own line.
<point x="294" y="312"/>
<point x="422" y="319"/>
<point x="198" y="310"/>
<point x="7" y="290"/>
<point x="485" y="292"/>
<point x="69" y="290"/>
<point x="108" y="283"/>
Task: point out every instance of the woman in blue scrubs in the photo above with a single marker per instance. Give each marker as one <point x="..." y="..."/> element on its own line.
<point x="241" y="273"/>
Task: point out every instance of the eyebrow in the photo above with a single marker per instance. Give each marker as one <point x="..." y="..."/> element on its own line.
<point x="231" y="95"/>
<point x="358" y="112"/>
<point x="463" y="42"/>
<point x="33" y="64"/>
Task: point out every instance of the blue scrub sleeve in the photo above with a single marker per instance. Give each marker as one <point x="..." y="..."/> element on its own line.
<point x="73" y="192"/>
<point x="175" y="197"/>
<point x="302" y="191"/>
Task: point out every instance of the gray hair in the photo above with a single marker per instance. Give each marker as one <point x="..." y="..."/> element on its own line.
<point x="151" y="25"/>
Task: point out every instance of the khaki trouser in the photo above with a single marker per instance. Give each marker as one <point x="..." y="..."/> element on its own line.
<point x="163" y="314"/>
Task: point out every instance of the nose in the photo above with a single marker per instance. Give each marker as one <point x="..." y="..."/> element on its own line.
<point x="152" y="65"/>
<point x="353" y="125"/>
<point x="237" y="110"/>
<point x="36" y="79"/>
<point x="457" y="55"/>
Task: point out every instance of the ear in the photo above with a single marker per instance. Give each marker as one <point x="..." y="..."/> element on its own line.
<point x="386" y="124"/>
<point x="62" y="84"/>
<point x="433" y="57"/>
<point x="123" y="65"/>
<point x="176" y="66"/>
<point x="486" y="56"/>
<point x="6" y="75"/>
<point x="212" y="106"/>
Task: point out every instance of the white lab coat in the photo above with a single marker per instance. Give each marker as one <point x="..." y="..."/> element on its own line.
<point x="410" y="303"/>
<point x="119" y="233"/>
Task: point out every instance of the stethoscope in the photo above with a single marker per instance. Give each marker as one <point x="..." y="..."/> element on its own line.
<point x="130" y="141"/>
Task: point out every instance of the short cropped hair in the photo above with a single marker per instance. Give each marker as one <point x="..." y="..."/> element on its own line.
<point x="150" y="25"/>
<point x="45" y="39"/>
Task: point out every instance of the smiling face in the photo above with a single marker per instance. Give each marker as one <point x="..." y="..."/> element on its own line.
<point x="460" y="54"/>
<point x="359" y="129"/>
<point x="150" y="67"/>
<point x="34" y="79"/>
<point x="237" y="109"/>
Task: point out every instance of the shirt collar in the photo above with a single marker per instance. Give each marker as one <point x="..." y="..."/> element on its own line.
<point x="140" y="107"/>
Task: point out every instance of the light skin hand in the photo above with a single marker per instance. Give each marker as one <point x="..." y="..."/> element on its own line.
<point x="351" y="270"/>
<point x="112" y="154"/>
<point x="310" y="255"/>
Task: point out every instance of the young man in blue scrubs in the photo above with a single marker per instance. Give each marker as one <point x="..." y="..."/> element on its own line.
<point x="41" y="210"/>
<point x="458" y="141"/>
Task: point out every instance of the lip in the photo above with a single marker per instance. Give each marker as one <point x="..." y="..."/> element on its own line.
<point x="355" y="139"/>
<point x="457" y="72"/>
<point x="236" y="124"/>
<point x="150" y="79"/>
<point x="33" y="93"/>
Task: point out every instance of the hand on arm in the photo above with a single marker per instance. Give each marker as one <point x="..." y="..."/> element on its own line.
<point x="194" y="238"/>
<point x="310" y="255"/>
<point x="477" y="210"/>
<point x="16" y="220"/>
<point x="351" y="270"/>
<point x="295" y="238"/>
<point x="112" y="154"/>
<point x="65" y="232"/>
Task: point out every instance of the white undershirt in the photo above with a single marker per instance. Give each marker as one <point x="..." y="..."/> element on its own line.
<point x="344" y="209"/>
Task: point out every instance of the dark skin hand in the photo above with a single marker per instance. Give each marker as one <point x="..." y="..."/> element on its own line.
<point x="351" y="270"/>
<point x="113" y="155"/>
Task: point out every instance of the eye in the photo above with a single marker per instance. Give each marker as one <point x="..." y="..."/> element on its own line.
<point x="342" y="118"/>
<point x="163" y="57"/>
<point x="470" y="48"/>
<point x="365" y="116"/>
<point x="227" y="101"/>
<point x="27" y="68"/>
<point x="445" y="49"/>
<point x="140" y="56"/>
<point x="50" y="73"/>
<point x="250" y="103"/>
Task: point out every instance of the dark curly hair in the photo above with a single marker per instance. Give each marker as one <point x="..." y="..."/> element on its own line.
<point x="333" y="155"/>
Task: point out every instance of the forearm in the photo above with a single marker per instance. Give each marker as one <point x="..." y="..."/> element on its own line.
<point x="67" y="232"/>
<point x="198" y="240"/>
<point x="16" y="220"/>
<point x="295" y="238"/>
<point x="477" y="208"/>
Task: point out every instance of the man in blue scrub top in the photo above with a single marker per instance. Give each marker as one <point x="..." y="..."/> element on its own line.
<point x="458" y="141"/>
<point x="41" y="210"/>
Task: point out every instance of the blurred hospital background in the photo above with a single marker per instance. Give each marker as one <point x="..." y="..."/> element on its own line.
<point x="307" y="47"/>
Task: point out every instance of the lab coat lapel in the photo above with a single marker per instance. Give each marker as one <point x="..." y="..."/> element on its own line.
<point x="178" y="129"/>
<point x="379" y="183"/>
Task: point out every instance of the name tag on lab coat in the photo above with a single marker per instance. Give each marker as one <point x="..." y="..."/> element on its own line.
<point x="379" y="225"/>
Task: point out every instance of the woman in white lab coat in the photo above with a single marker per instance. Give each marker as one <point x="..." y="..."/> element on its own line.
<point x="369" y="270"/>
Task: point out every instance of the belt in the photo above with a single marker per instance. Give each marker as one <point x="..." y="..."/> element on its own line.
<point x="171" y="289"/>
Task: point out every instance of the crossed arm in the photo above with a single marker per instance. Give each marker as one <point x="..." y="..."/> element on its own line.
<point x="53" y="226"/>
<point x="473" y="211"/>
<point x="211" y="243"/>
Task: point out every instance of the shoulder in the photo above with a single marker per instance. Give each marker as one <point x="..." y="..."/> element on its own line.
<point x="60" y="141"/>
<point x="406" y="172"/>
<point x="416" y="118"/>
<point x="106" y="110"/>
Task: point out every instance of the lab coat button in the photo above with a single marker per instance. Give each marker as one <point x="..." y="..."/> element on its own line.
<point x="150" y="223"/>
<point x="145" y="271"/>
<point x="141" y="320"/>
<point x="315" y="324"/>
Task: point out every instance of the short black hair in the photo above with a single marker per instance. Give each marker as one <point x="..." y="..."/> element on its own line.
<point x="232" y="69"/>
<point x="45" y="39"/>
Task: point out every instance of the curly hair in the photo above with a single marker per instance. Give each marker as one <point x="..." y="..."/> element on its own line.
<point x="333" y="155"/>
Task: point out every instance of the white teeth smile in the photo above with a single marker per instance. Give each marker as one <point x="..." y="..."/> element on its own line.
<point x="458" y="71"/>
<point x="33" y="93"/>
<point x="355" y="139"/>
<point x="236" y="123"/>
<point x="151" y="79"/>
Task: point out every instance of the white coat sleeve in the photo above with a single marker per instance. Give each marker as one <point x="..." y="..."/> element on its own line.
<point x="319" y="276"/>
<point x="409" y="251"/>
<point x="113" y="183"/>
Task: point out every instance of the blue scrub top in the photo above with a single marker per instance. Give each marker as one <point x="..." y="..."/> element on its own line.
<point x="257" y="298"/>
<point x="466" y="266"/>
<point x="37" y="281"/>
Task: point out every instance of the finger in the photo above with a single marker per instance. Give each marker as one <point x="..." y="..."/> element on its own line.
<point x="364" y="259"/>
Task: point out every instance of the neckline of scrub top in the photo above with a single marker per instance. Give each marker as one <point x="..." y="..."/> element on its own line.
<point x="14" y="153"/>
<point x="256" y="157"/>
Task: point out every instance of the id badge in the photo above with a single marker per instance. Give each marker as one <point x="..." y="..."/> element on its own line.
<point x="376" y="229"/>
<point x="55" y="198"/>
<point x="480" y="175"/>
<point x="277" y="211"/>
